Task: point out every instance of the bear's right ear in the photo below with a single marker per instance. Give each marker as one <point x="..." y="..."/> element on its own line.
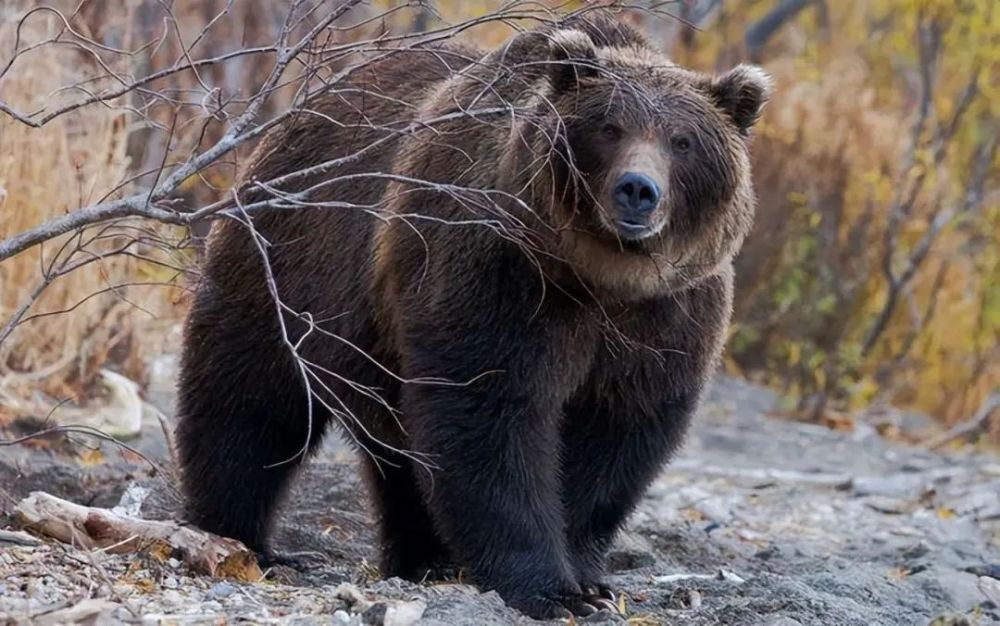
<point x="573" y="56"/>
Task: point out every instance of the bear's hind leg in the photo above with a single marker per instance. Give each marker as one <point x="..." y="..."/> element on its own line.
<point x="243" y="425"/>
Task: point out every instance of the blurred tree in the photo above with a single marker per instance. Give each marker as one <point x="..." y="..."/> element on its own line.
<point x="872" y="274"/>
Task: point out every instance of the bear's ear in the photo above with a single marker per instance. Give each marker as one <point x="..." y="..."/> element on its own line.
<point x="573" y="55"/>
<point x="742" y="93"/>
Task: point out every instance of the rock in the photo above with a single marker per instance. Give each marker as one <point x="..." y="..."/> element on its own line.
<point x="894" y="486"/>
<point x="630" y="552"/>
<point x="768" y="553"/>
<point x="991" y="589"/>
<point x="94" y="611"/>
<point x="891" y="506"/>
<point x="131" y="501"/>
<point x="730" y="577"/>
<point x="221" y="590"/>
<point x="351" y="595"/>
<point x="342" y="618"/>
<point x="961" y="589"/>
<point x="404" y="613"/>
<point x="992" y="570"/>
<point x="171" y="598"/>
<point x="375" y="614"/>
<point x="916" y="551"/>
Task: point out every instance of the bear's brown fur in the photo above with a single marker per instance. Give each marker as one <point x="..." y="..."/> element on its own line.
<point x="511" y="300"/>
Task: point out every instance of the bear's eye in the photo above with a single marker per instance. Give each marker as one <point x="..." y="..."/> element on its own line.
<point x="611" y="131"/>
<point x="681" y="144"/>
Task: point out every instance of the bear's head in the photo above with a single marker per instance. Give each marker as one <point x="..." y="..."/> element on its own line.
<point x="647" y="177"/>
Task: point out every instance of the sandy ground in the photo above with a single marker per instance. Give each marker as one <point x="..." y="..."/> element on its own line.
<point x="758" y="521"/>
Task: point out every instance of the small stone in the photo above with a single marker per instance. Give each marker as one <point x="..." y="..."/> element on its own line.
<point x="174" y="563"/>
<point x="404" y="613"/>
<point x="169" y="582"/>
<point x="211" y="606"/>
<point x="990" y="588"/>
<point x="625" y="560"/>
<point x="351" y="595"/>
<point x="172" y="598"/>
<point x="694" y="599"/>
<point x="728" y="576"/>
<point x="992" y="570"/>
<point x="303" y="604"/>
<point x="375" y="614"/>
<point x="916" y="551"/>
<point x="341" y="617"/>
<point x="889" y="505"/>
<point x="768" y="553"/>
<point x="221" y="590"/>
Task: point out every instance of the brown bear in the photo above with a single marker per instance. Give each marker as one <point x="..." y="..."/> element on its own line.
<point x="507" y="275"/>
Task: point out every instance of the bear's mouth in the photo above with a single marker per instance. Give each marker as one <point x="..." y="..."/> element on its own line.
<point x="635" y="230"/>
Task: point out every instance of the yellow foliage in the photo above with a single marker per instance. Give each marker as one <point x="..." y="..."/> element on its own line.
<point x="831" y="161"/>
<point x="831" y="158"/>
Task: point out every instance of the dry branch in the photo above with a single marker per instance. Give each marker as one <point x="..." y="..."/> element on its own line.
<point x="975" y="424"/>
<point x="96" y="528"/>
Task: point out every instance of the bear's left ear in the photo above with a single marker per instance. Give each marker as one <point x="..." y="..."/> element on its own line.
<point x="742" y="93"/>
<point x="573" y="56"/>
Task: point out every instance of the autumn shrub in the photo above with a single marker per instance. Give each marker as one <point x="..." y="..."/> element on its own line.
<point x="872" y="273"/>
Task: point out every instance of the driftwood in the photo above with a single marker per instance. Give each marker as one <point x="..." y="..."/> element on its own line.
<point x="90" y="528"/>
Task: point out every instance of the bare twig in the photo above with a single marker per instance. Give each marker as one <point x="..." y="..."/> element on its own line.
<point x="974" y="424"/>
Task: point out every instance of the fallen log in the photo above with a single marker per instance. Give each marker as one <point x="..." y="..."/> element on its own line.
<point x="90" y="527"/>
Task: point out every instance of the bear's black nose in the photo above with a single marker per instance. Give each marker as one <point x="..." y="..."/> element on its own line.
<point x="636" y="192"/>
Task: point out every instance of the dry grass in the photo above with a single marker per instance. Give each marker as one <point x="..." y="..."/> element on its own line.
<point x="46" y="172"/>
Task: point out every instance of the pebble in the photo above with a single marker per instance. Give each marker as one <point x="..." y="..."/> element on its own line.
<point x="170" y="582"/>
<point x="172" y="598"/>
<point x="304" y="604"/>
<point x="341" y="617"/>
<point x="990" y="588"/>
<point x="221" y="590"/>
<point x="404" y="613"/>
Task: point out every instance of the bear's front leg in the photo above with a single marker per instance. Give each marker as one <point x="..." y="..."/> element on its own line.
<point x="632" y="414"/>
<point x="491" y="481"/>
<point x="614" y="446"/>
<point x="488" y="426"/>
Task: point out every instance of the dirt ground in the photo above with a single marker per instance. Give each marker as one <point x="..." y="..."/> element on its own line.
<point x="758" y="521"/>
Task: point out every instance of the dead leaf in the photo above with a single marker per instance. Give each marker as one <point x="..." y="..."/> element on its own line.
<point x="92" y="457"/>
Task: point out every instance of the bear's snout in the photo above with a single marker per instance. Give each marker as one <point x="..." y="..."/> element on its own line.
<point x="636" y="197"/>
<point x="636" y="194"/>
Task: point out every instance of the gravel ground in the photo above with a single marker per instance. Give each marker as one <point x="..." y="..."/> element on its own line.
<point x="758" y="521"/>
